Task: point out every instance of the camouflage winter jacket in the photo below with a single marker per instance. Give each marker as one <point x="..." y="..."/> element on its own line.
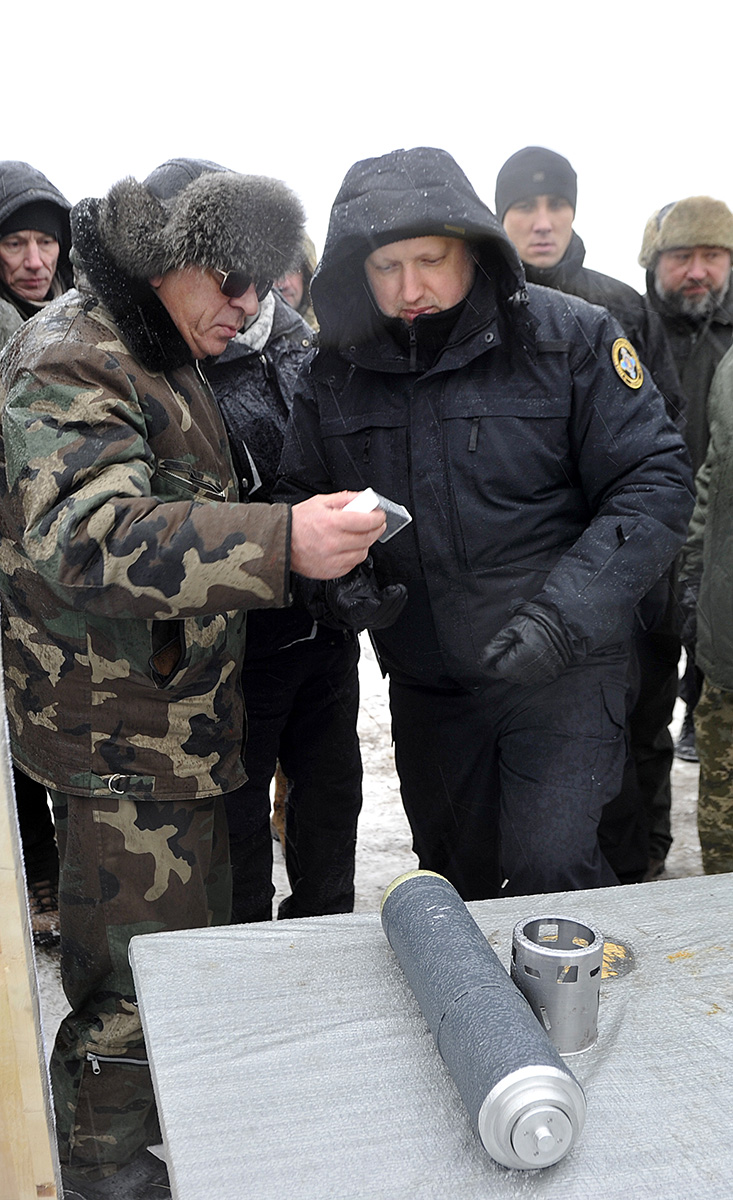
<point x="125" y="558"/>
<point x="10" y="320"/>
<point x="707" y="558"/>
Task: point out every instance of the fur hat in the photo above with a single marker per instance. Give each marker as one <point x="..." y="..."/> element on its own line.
<point x="220" y="219"/>
<point x="534" y="171"/>
<point x="695" y="221"/>
<point x="172" y="176"/>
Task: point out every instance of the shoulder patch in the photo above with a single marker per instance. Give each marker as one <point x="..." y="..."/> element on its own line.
<point x="626" y="363"/>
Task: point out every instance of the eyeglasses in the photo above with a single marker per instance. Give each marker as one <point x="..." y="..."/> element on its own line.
<point x="235" y="283"/>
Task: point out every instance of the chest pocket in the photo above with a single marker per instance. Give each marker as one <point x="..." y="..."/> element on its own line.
<point x="368" y="449"/>
<point x="510" y="468"/>
<point x="500" y="437"/>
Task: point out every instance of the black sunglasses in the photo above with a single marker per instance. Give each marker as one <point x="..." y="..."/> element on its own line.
<point x="235" y="283"/>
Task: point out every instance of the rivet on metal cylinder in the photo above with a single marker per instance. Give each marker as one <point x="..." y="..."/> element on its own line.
<point x="557" y="964"/>
<point x="526" y="1105"/>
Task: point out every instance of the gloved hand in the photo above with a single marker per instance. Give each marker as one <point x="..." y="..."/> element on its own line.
<point x="531" y="649"/>
<point x="687" y="595"/>
<point x="354" y="601"/>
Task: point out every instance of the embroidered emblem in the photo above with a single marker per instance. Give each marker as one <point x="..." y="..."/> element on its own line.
<point x="626" y="363"/>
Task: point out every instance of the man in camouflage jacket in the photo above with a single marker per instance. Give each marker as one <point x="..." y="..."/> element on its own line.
<point x="706" y="575"/>
<point x="126" y="562"/>
<point x="35" y="240"/>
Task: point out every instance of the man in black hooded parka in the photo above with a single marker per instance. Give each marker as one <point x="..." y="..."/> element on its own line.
<point x="548" y="489"/>
<point x="536" y="193"/>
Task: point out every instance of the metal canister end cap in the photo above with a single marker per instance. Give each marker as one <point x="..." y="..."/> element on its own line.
<point x="532" y="1118"/>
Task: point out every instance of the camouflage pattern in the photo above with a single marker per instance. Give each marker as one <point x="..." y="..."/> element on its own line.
<point x="707" y="557"/>
<point x="714" y="741"/>
<point x="145" y="867"/>
<point x="125" y="564"/>
<point x="10" y="320"/>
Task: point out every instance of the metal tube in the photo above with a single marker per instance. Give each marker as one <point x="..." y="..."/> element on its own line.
<point x="527" y="1107"/>
<point x="557" y="965"/>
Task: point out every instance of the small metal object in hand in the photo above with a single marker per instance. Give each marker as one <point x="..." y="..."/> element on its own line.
<point x="396" y="514"/>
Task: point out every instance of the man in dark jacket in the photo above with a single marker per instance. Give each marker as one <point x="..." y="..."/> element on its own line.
<point x="536" y="193"/>
<point x="300" y="677"/>
<point x="35" y="239"/>
<point x="295" y="287"/>
<point x="686" y="251"/>
<point x="548" y="491"/>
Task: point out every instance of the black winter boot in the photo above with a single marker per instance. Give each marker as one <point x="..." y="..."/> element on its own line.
<point x="684" y="747"/>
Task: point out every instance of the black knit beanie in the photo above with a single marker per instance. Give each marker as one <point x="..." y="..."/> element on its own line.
<point x="43" y="215"/>
<point x="534" y="171"/>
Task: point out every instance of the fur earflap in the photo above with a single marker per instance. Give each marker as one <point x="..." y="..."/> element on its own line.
<point x="695" y="221"/>
<point x="131" y="222"/>
<point x="225" y="220"/>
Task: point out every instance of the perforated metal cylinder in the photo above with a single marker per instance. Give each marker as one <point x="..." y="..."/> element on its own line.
<point x="526" y="1105"/>
<point x="557" y="964"/>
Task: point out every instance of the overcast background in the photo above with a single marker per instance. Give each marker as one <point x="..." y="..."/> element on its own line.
<point x="637" y="96"/>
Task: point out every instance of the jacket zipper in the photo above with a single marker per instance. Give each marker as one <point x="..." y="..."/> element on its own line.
<point x="94" y="1059"/>
<point x="190" y="478"/>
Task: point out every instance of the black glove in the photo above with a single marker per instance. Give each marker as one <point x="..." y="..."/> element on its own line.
<point x="532" y="648"/>
<point x="687" y="595"/>
<point x="354" y="601"/>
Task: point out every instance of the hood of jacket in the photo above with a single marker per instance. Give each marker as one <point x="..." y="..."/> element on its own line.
<point x="21" y="184"/>
<point x="403" y="194"/>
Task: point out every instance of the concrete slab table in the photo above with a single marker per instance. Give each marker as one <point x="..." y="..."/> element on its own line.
<point x="291" y="1060"/>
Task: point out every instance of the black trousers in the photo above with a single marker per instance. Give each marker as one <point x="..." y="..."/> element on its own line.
<point x="302" y="706"/>
<point x="37" y="834"/>
<point x="504" y="789"/>
<point x="636" y="825"/>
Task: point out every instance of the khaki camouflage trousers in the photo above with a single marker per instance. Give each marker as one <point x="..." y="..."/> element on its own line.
<point x="714" y="740"/>
<point x="127" y="867"/>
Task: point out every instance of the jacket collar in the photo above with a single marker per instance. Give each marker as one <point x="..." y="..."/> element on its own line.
<point x="563" y="272"/>
<point x="417" y="350"/>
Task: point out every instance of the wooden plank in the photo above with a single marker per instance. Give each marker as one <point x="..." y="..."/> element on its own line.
<point x="28" y="1160"/>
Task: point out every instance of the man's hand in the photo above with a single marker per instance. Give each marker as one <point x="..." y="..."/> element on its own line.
<point x="325" y="541"/>
<point x="530" y="650"/>
<point x="354" y="602"/>
<point x="688" y="592"/>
